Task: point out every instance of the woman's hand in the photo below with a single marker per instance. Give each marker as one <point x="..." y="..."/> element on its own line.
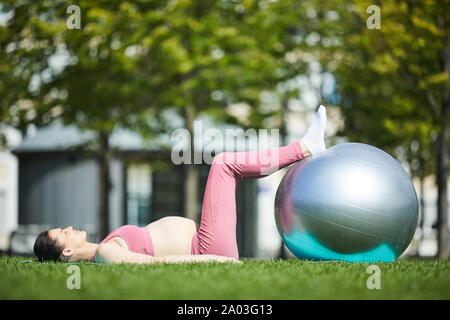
<point x="196" y="258"/>
<point x="226" y="259"/>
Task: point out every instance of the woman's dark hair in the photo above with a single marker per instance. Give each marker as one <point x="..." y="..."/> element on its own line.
<point x="46" y="248"/>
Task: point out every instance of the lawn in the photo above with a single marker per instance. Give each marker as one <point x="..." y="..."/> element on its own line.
<point x="254" y="279"/>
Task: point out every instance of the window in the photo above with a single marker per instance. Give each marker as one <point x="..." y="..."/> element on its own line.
<point x="139" y="193"/>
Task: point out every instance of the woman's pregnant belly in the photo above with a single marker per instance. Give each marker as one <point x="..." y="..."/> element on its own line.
<point x="172" y="235"/>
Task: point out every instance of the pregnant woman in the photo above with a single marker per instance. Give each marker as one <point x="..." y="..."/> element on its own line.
<point x="178" y="239"/>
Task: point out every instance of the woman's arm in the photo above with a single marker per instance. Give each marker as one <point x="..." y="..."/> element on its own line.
<point x="110" y="253"/>
<point x="195" y="258"/>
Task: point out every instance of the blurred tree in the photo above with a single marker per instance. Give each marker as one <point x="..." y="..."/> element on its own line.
<point x="130" y="60"/>
<point x="202" y="58"/>
<point x="89" y="77"/>
<point x="26" y="46"/>
<point x="211" y="54"/>
<point x="393" y="84"/>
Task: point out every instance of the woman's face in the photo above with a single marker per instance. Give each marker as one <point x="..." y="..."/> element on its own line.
<point x="68" y="238"/>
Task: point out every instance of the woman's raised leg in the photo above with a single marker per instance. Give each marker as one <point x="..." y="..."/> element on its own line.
<point x="217" y="231"/>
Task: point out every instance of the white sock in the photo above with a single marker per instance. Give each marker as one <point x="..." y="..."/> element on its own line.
<point x="314" y="138"/>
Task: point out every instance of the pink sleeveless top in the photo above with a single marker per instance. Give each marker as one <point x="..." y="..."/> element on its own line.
<point x="137" y="239"/>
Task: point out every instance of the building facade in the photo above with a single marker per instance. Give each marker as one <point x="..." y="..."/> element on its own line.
<point x="58" y="186"/>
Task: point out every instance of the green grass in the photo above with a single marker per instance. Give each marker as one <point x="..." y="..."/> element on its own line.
<point x="254" y="279"/>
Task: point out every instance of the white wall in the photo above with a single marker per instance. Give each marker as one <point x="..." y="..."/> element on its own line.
<point x="268" y="239"/>
<point x="8" y="197"/>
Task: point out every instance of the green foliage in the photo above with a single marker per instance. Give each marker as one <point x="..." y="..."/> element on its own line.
<point x="131" y="59"/>
<point x="391" y="80"/>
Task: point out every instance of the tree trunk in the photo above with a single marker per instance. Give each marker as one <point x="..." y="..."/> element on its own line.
<point x="443" y="159"/>
<point x="104" y="183"/>
<point x="282" y="254"/>
<point x="422" y="205"/>
<point x="191" y="181"/>
<point x="442" y="173"/>
<point x="421" y="177"/>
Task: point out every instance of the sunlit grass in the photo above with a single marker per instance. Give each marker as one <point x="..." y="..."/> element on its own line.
<point x="254" y="279"/>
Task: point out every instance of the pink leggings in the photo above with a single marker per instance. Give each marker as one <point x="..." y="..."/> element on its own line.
<point x="217" y="231"/>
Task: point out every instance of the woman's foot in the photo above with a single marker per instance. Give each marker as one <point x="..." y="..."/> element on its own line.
<point x="314" y="139"/>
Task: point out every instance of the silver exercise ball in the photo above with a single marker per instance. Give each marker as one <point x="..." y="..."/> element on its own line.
<point x="353" y="202"/>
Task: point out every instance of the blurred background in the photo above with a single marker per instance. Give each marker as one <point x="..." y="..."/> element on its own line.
<point x="91" y="92"/>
